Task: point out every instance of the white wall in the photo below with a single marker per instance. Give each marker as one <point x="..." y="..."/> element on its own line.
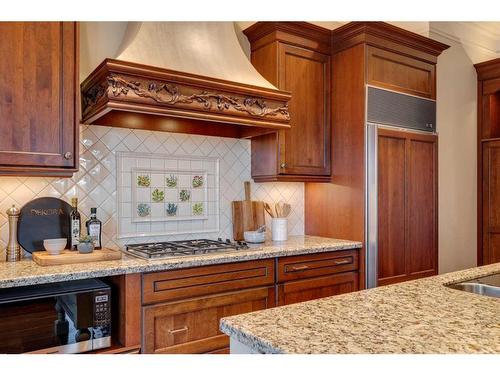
<point x="456" y="123"/>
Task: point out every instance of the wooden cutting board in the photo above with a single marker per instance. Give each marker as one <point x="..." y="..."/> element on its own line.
<point x="43" y="258"/>
<point x="247" y="214"/>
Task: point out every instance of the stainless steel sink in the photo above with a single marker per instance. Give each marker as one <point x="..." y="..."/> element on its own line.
<point x="485" y="286"/>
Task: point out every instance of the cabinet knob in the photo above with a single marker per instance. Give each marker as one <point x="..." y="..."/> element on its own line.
<point x="68" y="155"/>
<point x="283" y="165"/>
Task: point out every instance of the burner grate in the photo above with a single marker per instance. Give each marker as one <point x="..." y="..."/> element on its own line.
<point x="172" y="249"/>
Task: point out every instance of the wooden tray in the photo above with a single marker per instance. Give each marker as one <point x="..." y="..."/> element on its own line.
<point x="43" y="258"/>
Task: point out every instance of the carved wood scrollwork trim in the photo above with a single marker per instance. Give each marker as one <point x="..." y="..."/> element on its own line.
<point x="170" y="94"/>
<point x="121" y="90"/>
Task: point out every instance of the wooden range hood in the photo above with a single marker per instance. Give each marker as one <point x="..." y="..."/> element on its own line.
<point x="132" y="95"/>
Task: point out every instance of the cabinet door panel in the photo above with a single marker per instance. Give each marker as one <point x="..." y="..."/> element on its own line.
<point x="400" y="73"/>
<point x="491" y="202"/>
<point x="407" y="205"/>
<point x="318" y="287"/>
<point x="422" y="182"/>
<point x="305" y="148"/>
<point x="391" y="207"/>
<point x="37" y="94"/>
<point x="320" y="264"/>
<point x="192" y="325"/>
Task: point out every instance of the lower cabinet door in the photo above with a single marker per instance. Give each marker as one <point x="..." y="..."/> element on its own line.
<point x="192" y="325"/>
<point x="318" y="287"/>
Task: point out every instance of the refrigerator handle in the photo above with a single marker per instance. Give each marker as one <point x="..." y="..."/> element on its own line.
<point x="371" y="201"/>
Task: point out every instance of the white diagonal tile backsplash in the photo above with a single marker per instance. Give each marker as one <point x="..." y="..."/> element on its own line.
<point x="95" y="183"/>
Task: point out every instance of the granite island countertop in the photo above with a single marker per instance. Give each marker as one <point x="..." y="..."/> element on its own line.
<point x="421" y="316"/>
<point x="27" y="272"/>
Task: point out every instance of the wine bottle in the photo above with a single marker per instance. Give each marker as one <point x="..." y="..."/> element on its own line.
<point x="94" y="228"/>
<point x="75" y="224"/>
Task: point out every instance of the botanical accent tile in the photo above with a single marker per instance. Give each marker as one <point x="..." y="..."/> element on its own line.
<point x="162" y="194"/>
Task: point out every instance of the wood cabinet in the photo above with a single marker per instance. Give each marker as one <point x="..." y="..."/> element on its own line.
<point x="407" y="205"/>
<point x="38" y="98"/>
<point x="182" y="308"/>
<point x="198" y="281"/>
<point x="192" y="326"/>
<point x="295" y="57"/>
<point x="488" y="150"/>
<point x="385" y="56"/>
<point x="490" y="205"/>
<point x="306" y="277"/>
<point x="317" y="287"/>
<point x="401" y="73"/>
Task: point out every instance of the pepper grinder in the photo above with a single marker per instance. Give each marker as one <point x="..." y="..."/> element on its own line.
<point x="13" y="251"/>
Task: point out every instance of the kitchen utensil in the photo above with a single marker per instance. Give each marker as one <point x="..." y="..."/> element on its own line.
<point x="54" y="246"/>
<point x="286" y="210"/>
<point x="13" y="252"/>
<point x="279" y="229"/>
<point x="254" y="236"/>
<point x="261" y="229"/>
<point x="43" y="218"/>
<point x="248" y="215"/>
<point x="43" y="258"/>
<point x="268" y="209"/>
<point x="277" y="208"/>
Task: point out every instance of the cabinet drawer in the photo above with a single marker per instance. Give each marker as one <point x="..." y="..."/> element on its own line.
<point x="317" y="287"/>
<point x="198" y="281"/>
<point x="400" y="73"/>
<point x="192" y="326"/>
<point x="311" y="265"/>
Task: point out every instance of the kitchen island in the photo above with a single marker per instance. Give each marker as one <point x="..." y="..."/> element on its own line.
<point x="421" y="316"/>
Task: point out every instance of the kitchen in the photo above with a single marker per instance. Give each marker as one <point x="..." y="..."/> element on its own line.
<point x="162" y="154"/>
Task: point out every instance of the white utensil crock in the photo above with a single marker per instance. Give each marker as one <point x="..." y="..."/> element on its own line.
<point x="279" y="229"/>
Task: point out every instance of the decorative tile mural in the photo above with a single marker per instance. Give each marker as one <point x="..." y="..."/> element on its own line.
<point x="95" y="183"/>
<point x="179" y="194"/>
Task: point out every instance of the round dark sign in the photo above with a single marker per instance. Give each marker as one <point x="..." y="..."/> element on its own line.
<point x="40" y="219"/>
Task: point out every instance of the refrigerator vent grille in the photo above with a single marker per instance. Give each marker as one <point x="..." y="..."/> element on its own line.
<point x="392" y="108"/>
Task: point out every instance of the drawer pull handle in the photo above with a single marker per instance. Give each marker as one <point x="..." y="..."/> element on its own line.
<point x="299" y="268"/>
<point x="343" y="261"/>
<point x="174" y="331"/>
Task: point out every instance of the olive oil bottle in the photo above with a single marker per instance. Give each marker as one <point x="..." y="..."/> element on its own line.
<point x="74" y="224"/>
<point x="94" y="228"/>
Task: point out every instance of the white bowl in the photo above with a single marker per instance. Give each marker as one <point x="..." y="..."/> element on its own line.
<point x="54" y="246"/>
<point x="254" y="237"/>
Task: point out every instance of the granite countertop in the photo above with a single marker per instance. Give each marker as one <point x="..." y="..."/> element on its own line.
<point x="27" y="272"/>
<point x="421" y="316"/>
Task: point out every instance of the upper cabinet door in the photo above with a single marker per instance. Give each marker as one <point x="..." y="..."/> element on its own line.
<point x="305" y="148"/>
<point x="400" y="73"/>
<point x="38" y="98"/>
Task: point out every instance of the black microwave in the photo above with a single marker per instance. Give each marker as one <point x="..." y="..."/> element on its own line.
<point x="66" y="317"/>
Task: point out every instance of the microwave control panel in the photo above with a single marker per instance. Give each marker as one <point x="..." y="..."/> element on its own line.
<point x="102" y="309"/>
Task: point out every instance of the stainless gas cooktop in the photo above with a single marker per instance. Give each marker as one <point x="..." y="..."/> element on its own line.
<point x="174" y="249"/>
